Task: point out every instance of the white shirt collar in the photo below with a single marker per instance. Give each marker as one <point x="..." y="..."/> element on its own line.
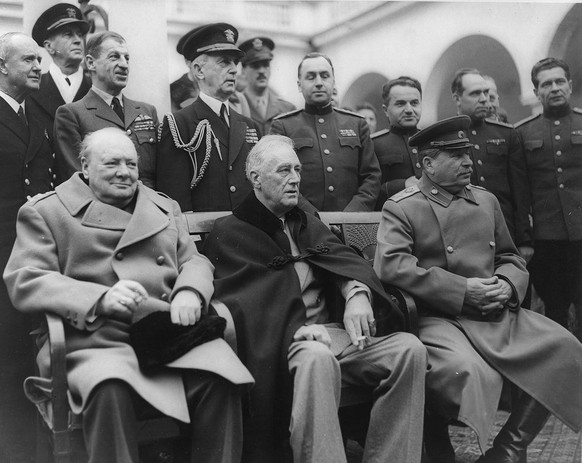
<point x="214" y="104"/>
<point x="107" y="97"/>
<point x="67" y="91"/>
<point x="11" y="101"/>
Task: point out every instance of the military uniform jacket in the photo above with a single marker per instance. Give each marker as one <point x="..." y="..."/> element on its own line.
<point x="275" y="106"/>
<point x="223" y="184"/>
<point x="552" y="157"/>
<point x="75" y="120"/>
<point x="398" y="161"/>
<point x="340" y="171"/>
<point x="496" y="158"/>
<point x="429" y="243"/>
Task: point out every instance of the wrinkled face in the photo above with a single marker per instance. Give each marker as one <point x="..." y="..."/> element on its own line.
<point x="404" y="106"/>
<point x="450" y="169"/>
<point x="218" y="75"/>
<point x="370" y="117"/>
<point x="21" y="66"/>
<point x="554" y="88"/>
<point x="474" y="101"/>
<point x="111" y="170"/>
<point x="277" y="183"/>
<point x="316" y="81"/>
<point x="111" y="67"/>
<point x="66" y="45"/>
<point x="258" y="74"/>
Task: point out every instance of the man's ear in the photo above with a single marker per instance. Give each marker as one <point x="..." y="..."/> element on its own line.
<point x="197" y="71"/>
<point x="3" y="69"/>
<point x="427" y="164"/>
<point x="255" y="180"/>
<point x="456" y="98"/>
<point x="90" y="62"/>
<point x="84" y="167"/>
<point x="48" y="46"/>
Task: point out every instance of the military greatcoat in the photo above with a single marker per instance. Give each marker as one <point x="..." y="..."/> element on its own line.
<point x="429" y="243"/>
<point x="340" y="171"/>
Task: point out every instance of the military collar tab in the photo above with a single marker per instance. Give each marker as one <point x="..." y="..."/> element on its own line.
<point x="318" y="110"/>
<point x="559" y="113"/>
<point x="441" y="196"/>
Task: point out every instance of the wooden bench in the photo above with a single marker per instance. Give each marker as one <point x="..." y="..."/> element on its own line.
<point x="357" y="229"/>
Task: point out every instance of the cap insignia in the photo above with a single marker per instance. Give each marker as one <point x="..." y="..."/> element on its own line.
<point x="71" y="12"/>
<point x="229" y="35"/>
<point x="257" y="44"/>
<point x="461" y="134"/>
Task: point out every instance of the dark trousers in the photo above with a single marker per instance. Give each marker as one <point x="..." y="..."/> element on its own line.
<point x="110" y="425"/>
<point x="556" y="273"/>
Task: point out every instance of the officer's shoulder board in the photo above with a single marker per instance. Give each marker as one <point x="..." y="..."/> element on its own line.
<point x="577" y="110"/>
<point x="477" y="187"/>
<point x="526" y="120"/>
<point x="287" y="114"/>
<point x="348" y="112"/>
<point x="39" y="197"/>
<point x="500" y="123"/>
<point x="379" y="133"/>
<point x="405" y="193"/>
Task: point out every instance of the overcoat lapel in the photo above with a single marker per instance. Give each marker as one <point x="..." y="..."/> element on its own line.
<point x="38" y="136"/>
<point x="95" y="105"/>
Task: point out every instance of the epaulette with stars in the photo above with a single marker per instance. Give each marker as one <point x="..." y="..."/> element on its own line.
<point x="39" y="197"/>
<point x="409" y="191"/>
<point x="379" y="133"/>
<point x="348" y="112"/>
<point x="577" y="110"/>
<point x="527" y="119"/>
<point x="496" y="122"/>
<point x="477" y="187"/>
<point x="287" y="114"/>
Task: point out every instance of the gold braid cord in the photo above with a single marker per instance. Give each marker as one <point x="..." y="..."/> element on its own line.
<point x="203" y="132"/>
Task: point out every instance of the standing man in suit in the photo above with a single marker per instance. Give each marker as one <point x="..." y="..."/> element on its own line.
<point x="264" y="103"/>
<point x="26" y="164"/>
<point x="61" y="30"/>
<point x="340" y="170"/>
<point x="203" y="147"/>
<point x="105" y="106"/>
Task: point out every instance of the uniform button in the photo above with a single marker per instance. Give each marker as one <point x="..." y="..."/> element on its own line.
<point x="474" y="132"/>
<point x="476" y="147"/>
<point x="26" y="181"/>
<point x="330" y="188"/>
<point x="324" y="136"/>
<point x="433" y="191"/>
<point x="321" y="120"/>
<point x="326" y="151"/>
<point x="492" y="244"/>
<point x="561" y="185"/>
<point x="480" y="162"/>
<point x="450" y="249"/>
<point x="28" y="197"/>
<point x="232" y="188"/>
<point x="164" y="297"/>
<point x="54" y="176"/>
<point x="50" y="170"/>
<point x="560" y="170"/>
<point x="26" y="166"/>
<point x="482" y="178"/>
<point x="418" y="165"/>
<point x="52" y="185"/>
<point x="128" y="131"/>
<point x="414" y="151"/>
<point x="557" y="122"/>
<point x="229" y="167"/>
<point x="468" y="187"/>
<point x="119" y="256"/>
<point x="160" y="260"/>
<point x="329" y="169"/>
<point x="558" y="153"/>
<point x="557" y="137"/>
<point x="54" y="155"/>
<point x="151" y="140"/>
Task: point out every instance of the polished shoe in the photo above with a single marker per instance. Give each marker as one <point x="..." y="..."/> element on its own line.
<point x="526" y="420"/>
<point x="437" y="443"/>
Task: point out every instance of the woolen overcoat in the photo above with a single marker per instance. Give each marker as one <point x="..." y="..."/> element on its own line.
<point x="71" y="248"/>
<point x="429" y="243"/>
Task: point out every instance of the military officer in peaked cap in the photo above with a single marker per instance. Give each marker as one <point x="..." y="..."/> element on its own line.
<point x="264" y="103"/>
<point x="495" y="154"/>
<point x="446" y="243"/>
<point x="340" y="170"/>
<point x="184" y="91"/>
<point x="61" y="31"/>
<point x="204" y="147"/>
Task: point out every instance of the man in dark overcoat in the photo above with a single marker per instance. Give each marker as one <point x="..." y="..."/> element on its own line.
<point x="446" y="242"/>
<point x="306" y="308"/>
<point x="26" y="168"/>
<point x="204" y="146"/>
<point x="103" y="251"/>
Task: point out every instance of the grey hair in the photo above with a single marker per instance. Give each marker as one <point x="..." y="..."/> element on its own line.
<point x="91" y="141"/>
<point x="5" y="40"/>
<point x="257" y="157"/>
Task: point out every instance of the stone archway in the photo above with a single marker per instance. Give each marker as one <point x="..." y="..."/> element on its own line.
<point x="367" y="88"/>
<point x="491" y="58"/>
<point x="568" y="46"/>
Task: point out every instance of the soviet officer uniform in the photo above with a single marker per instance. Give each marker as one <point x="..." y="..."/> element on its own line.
<point x="496" y="167"/>
<point x="552" y="155"/>
<point x="340" y="171"/>
<point x="398" y="161"/>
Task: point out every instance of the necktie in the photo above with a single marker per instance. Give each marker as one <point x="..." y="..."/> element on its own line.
<point x="68" y="81"/>
<point x="281" y="239"/>
<point x="261" y="107"/>
<point x="116" y="105"/>
<point x="22" y="116"/>
<point x="223" y="116"/>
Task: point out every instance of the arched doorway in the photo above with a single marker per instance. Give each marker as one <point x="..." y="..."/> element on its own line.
<point x="367" y="88"/>
<point x="568" y="46"/>
<point x="491" y="58"/>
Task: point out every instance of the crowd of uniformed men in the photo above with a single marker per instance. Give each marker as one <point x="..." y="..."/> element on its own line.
<point x="197" y="154"/>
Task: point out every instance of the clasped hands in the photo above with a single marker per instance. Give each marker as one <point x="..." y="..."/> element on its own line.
<point x="124" y="297"/>
<point x="487" y="295"/>
<point x="358" y="322"/>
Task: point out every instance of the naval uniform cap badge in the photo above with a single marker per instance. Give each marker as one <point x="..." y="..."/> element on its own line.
<point x="257" y="44"/>
<point x="229" y="35"/>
